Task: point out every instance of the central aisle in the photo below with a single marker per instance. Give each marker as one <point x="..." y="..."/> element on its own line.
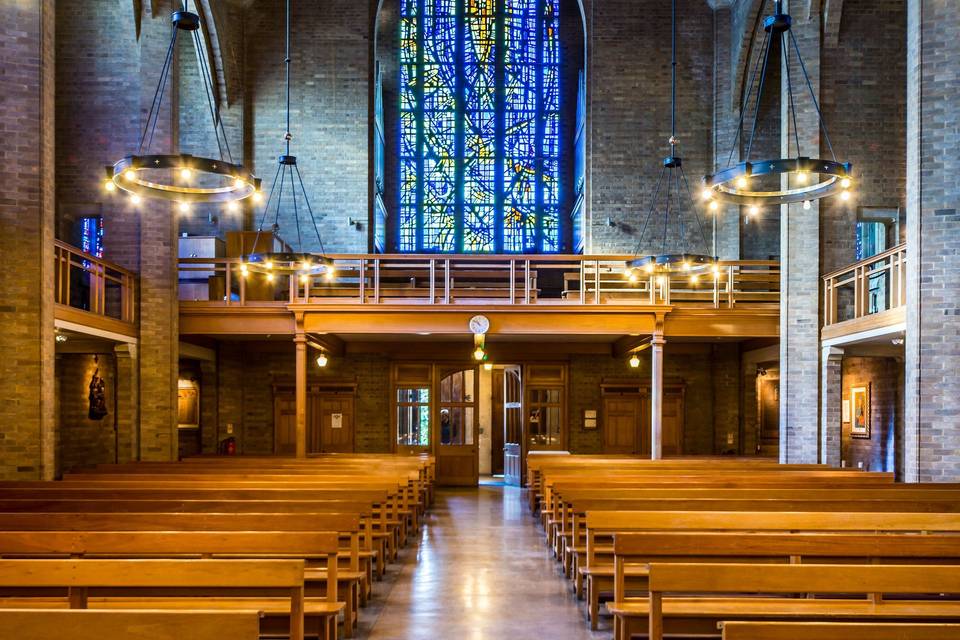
<point x="482" y="572"/>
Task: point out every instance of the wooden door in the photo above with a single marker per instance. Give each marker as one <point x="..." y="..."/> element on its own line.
<point x="335" y="418"/>
<point x="672" y="434"/>
<point x="621" y="423"/>
<point x="497" y="448"/>
<point x="512" y="426"/>
<point x="458" y="452"/>
<point x="285" y="425"/>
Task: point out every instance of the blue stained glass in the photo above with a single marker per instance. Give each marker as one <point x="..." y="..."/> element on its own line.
<point x="454" y="83"/>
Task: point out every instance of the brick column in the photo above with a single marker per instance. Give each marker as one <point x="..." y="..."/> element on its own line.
<point x="932" y="387"/>
<point x="128" y="405"/>
<point x="800" y="264"/>
<point x="159" y="339"/>
<point x="28" y="431"/>
<point x="831" y="393"/>
<point x="209" y="407"/>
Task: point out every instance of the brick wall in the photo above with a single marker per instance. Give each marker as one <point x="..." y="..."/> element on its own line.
<point x="249" y="374"/>
<point x="330" y="102"/>
<point x="27" y="436"/>
<point x="875" y="453"/>
<point x="85" y="442"/>
<point x="932" y="396"/>
<point x="629" y="100"/>
<point x="708" y="402"/>
<point x="865" y="84"/>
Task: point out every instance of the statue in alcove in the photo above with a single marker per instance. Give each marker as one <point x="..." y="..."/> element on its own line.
<point x="97" y="395"/>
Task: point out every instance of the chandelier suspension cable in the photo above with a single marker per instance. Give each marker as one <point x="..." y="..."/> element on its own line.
<point x="214" y="107"/>
<point x="153" y="116"/>
<point x="288" y="171"/>
<point x="675" y="184"/>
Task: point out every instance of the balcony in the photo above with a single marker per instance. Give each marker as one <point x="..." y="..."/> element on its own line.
<point x="457" y="285"/>
<point x="92" y="293"/>
<point x="865" y="297"/>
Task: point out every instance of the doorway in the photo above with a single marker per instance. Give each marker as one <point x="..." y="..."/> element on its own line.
<point x="330" y="419"/>
<point x="626" y="418"/>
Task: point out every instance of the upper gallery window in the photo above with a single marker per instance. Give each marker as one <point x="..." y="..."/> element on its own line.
<point x="479" y="126"/>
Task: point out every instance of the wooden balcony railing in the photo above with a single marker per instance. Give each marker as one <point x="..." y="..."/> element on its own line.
<point x="94" y="285"/>
<point x="385" y="279"/>
<point x="865" y="288"/>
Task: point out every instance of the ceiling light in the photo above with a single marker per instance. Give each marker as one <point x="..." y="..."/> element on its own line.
<point x="322" y="360"/>
<point x="634" y="361"/>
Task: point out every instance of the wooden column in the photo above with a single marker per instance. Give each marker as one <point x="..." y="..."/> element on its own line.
<point x="656" y="393"/>
<point x="300" y="340"/>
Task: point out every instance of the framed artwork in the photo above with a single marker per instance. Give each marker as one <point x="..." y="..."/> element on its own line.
<point x="590" y="419"/>
<point x="188" y="405"/>
<point x="860" y="399"/>
<point x="845" y="411"/>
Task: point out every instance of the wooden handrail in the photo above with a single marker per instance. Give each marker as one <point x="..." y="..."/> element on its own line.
<point x="69" y="261"/>
<point x="446" y="279"/>
<point x="890" y="264"/>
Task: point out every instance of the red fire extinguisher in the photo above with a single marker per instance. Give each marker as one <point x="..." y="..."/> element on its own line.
<point x="229" y="446"/>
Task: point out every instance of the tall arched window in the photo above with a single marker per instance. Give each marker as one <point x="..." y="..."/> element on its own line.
<point x="479" y="126"/>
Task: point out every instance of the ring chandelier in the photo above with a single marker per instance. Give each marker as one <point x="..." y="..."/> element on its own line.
<point x="806" y="179"/>
<point x="183" y="178"/>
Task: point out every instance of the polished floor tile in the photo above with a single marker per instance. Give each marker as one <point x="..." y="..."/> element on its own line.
<point x="481" y="571"/>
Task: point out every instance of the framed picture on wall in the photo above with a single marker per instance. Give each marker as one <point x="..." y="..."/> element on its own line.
<point x="860" y="399"/>
<point x="845" y="411"/>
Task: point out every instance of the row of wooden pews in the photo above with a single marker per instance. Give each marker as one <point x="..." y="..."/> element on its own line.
<point x="683" y="547"/>
<point x="294" y="545"/>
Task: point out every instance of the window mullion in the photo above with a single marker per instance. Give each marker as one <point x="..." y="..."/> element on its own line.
<point x="541" y="126"/>
<point x="500" y="127"/>
<point x="460" y="119"/>
<point x="421" y="8"/>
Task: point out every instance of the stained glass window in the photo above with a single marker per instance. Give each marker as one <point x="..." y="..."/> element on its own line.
<point x="479" y="126"/>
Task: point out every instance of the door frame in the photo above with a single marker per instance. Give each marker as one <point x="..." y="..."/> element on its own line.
<point x="315" y="391"/>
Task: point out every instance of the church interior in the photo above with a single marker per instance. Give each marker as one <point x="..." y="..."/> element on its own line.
<point x="402" y="319"/>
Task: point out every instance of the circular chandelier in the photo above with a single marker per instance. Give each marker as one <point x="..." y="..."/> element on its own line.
<point x="299" y="263"/>
<point x="676" y="257"/>
<point x="183" y="178"/>
<point x="806" y="179"/>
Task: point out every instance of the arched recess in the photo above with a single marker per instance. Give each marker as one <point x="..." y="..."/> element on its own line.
<point x="384" y="54"/>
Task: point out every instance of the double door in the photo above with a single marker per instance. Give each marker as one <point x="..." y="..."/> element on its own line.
<point x="626" y="421"/>
<point x="330" y="422"/>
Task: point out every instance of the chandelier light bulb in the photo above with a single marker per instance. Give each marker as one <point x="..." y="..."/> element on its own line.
<point x="648" y="267"/>
<point x="238" y="183"/>
<point x="634" y="361"/>
<point x="694" y="279"/>
<point x="232" y="206"/>
<point x="268" y="265"/>
<point x="322" y="360"/>
<point x="303" y="278"/>
<point x="185" y="173"/>
<point x="742" y="182"/>
<point x="806" y="205"/>
<point x="269" y="277"/>
<point x="627" y="272"/>
<point x="109" y="186"/>
<point x="130" y="174"/>
<point x="306" y="265"/>
<point x="845" y="196"/>
<point x="754" y="211"/>
<point x="135" y="199"/>
<point x="802" y="177"/>
<point x="714" y="205"/>
<point x="257" y="197"/>
<point x="706" y="194"/>
<point x="183" y="207"/>
<point x="243" y="270"/>
<point x="686" y="266"/>
<point x="329" y="275"/>
<point x="845" y="183"/>
<point x="633" y="277"/>
<point x="715" y="269"/>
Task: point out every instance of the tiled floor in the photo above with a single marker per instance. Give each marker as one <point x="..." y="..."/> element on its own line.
<point x="480" y="572"/>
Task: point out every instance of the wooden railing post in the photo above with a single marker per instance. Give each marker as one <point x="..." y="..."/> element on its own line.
<point x="526" y="281"/>
<point x="513" y="281"/>
<point x="363" y="280"/>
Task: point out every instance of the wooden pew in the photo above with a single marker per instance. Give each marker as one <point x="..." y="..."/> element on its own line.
<point x="725" y="591"/>
<point x="634" y="552"/>
<point x="309" y="547"/>
<point x="92" y="624"/>
<point x="82" y="576"/>
<point x="839" y="631"/>
<point x="214" y="522"/>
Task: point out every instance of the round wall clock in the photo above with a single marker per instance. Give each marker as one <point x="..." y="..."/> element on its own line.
<point x="479" y="325"/>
